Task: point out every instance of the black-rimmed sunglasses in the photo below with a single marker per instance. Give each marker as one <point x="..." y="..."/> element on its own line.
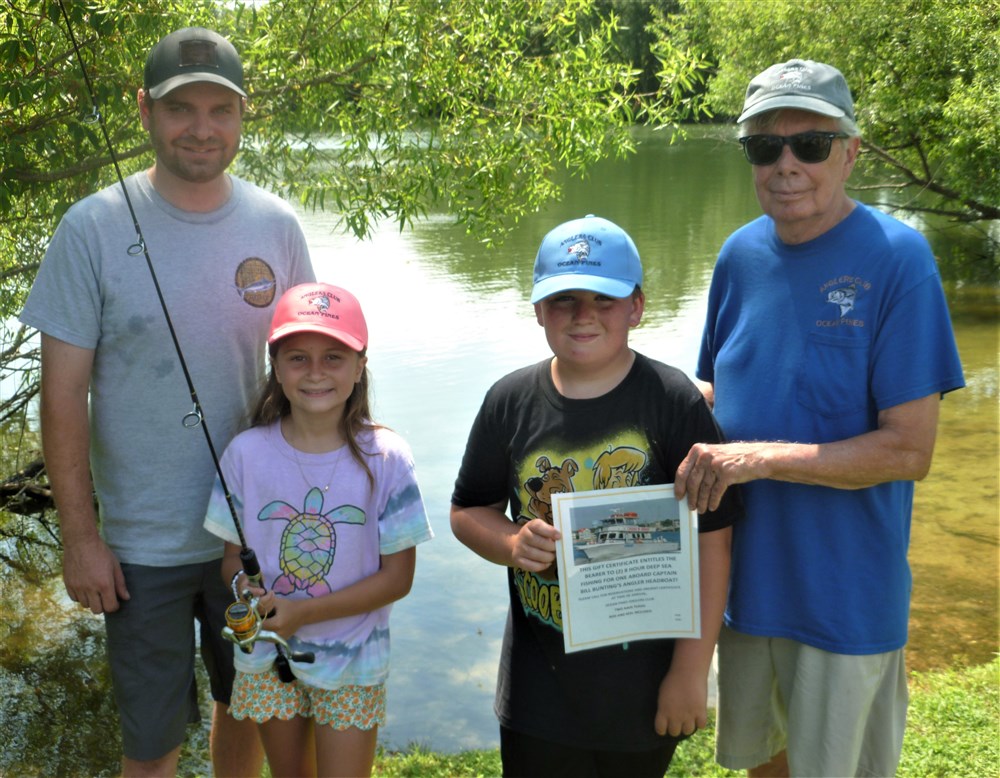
<point x="810" y="147"/>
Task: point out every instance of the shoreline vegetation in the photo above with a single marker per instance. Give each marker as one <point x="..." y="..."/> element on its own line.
<point x="951" y="730"/>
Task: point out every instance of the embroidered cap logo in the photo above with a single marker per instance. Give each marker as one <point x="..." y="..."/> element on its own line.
<point x="198" y="53"/>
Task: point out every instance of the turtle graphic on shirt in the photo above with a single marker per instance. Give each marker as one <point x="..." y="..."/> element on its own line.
<point x="309" y="542"/>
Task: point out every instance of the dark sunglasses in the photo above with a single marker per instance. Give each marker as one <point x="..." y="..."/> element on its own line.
<point x="811" y="147"/>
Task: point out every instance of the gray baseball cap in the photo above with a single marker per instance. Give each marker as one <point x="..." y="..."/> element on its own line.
<point x="802" y="84"/>
<point x="189" y="56"/>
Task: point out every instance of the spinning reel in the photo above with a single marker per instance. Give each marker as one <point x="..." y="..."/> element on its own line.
<point x="244" y="628"/>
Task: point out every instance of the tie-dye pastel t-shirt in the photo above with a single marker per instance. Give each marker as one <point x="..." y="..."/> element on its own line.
<point x="317" y="526"/>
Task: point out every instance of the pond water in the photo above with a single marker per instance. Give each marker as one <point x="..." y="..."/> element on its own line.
<point x="448" y="316"/>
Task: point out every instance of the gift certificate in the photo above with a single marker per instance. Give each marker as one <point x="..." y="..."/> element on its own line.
<point x="628" y="566"/>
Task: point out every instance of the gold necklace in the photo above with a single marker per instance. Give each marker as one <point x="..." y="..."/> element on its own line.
<point x="306" y="478"/>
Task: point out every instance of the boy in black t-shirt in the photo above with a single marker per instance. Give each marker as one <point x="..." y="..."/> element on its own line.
<point x="554" y="426"/>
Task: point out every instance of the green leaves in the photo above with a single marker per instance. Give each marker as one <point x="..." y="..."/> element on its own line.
<point x="376" y="109"/>
<point x="924" y="73"/>
<point x="464" y="107"/>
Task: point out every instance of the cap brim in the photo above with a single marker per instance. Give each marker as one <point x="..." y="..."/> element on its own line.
<point x="299" y="327"/>
<point x="811" y="104"/>
<point x="166" y="87"/>
<point x="565" y="282"/>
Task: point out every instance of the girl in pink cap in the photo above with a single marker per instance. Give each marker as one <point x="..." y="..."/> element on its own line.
<point x="330" y="504"/>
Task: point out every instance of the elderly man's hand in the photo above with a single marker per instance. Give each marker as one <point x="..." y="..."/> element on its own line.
<point x="709" y="469"/>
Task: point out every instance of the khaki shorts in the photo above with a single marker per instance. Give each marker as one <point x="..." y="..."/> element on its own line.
<point x="836" y="714"/>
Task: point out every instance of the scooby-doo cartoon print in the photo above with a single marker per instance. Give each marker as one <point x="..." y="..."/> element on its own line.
<point x="540" y="488"/>
<point x="613" y="468"/>
<point x="553" y="480"/>
<point x="618" y="467"/>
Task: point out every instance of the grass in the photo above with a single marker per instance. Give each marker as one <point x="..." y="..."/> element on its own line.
<point x="953" y="730"/>
<point x="954" y="724"/>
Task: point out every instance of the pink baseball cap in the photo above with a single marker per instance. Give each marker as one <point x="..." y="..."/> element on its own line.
<point x="321" y="308"/>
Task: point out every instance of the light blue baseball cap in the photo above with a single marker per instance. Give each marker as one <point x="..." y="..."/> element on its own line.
<point x="592" y="254"/>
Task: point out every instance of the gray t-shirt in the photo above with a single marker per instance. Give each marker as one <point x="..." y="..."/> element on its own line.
<point x="220" y="274"/>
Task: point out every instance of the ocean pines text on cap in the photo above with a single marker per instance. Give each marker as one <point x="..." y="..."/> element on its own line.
<point x="326" y="313"/>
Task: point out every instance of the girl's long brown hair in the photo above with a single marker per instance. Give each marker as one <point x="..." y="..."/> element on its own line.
<point x="272" y="405"/>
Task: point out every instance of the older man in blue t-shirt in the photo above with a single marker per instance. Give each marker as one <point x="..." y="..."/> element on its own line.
<point x="826" y="350"/>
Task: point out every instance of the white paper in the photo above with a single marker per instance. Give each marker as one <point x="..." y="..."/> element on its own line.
<point x="628" y="566"/>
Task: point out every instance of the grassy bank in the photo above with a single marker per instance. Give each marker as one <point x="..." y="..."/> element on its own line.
<point x="952" y="730"/>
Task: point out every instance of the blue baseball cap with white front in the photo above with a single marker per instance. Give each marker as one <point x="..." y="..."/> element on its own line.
<point x="592" y="254"/>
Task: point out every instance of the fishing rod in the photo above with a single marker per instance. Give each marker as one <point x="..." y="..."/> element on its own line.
<point x="243" y="617"/>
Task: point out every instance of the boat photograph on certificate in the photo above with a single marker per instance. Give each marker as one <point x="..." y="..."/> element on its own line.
<point x="627" y="565"/>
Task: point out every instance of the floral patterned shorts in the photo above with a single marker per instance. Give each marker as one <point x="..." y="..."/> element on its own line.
<point x="263" y="696"/>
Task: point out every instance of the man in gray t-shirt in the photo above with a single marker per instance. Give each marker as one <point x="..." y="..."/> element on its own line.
<point x="114" y="393"/>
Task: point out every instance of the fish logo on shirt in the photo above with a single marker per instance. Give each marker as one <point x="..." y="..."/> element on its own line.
<point x="843" y="298"/>
<point x="255" y="282"/>
<point x="257" y="287"/>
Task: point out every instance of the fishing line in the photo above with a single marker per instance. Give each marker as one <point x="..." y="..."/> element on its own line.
<point x="196" y="416"/>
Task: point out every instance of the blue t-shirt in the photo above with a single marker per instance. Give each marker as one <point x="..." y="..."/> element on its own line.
<point x="807" y="343"/>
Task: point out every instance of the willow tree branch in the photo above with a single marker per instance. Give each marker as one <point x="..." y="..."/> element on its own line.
<point x="980" y="210"/>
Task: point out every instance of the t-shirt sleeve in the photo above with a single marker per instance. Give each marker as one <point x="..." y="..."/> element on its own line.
<point x="705" y="369"/>
<point x="301" y="265"/>
<point x="218" y="517"/>
<point x="482" y="475"/>
<point x="65" y="299"/>
<point x="403" y="523"/>
<point x="915" y="353"/>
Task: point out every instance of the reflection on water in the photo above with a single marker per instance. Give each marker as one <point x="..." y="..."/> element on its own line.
<point x="953" y="548"/>
<point x="448" y="317"/>
<point x="55" y="704"/>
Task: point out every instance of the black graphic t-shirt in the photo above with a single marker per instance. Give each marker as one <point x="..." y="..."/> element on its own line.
<point x="527" y="442"/>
